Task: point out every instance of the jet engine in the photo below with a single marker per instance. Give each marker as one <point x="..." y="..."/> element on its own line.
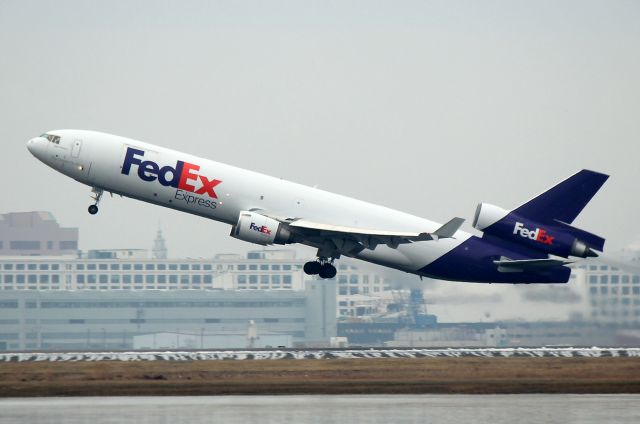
<point x="256" y="228"/>
<point x="552" y="237"/>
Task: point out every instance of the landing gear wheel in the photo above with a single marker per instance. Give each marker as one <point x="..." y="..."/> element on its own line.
<point x="327" y="271"/>
<point x="312" y="268"/>
<point x="93" y="209"/>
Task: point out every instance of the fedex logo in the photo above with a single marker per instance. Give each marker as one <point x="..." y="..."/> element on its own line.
<point x="183" y="176"/>
<point x="538" y="234"/>
<point x="262" y="229"/>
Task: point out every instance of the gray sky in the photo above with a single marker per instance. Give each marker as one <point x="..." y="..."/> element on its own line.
<point x="426" y="107"/>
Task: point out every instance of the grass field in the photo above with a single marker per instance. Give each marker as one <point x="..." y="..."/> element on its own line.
<point x="337" y="376"/>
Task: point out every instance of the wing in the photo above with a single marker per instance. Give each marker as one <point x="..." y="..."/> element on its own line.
<point x="347" y="239"/>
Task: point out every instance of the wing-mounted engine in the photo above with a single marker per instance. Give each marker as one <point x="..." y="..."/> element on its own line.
<point x="553" y="237"/>
<point x="256" y="228"/>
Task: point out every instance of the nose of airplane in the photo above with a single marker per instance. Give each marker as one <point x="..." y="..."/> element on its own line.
<point x="37" y="146"/>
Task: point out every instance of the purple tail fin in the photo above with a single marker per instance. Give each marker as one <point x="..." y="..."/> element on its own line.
<point x="564" y="201"/>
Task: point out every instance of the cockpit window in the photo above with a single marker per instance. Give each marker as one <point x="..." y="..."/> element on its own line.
<point x="52" y="138"/>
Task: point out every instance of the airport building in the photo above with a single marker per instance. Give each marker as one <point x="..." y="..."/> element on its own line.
<point x="35" y="233"/>
<point x="110" y="319"/>
<point x="613" y="291"/>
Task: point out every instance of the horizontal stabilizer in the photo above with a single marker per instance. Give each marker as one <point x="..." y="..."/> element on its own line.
<point x="508" y="265"/>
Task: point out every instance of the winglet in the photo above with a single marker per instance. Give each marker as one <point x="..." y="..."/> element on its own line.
<point x="448" y="229"/>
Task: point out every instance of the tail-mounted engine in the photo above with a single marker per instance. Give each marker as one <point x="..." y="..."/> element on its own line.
<point x="260" y="229"/>
<point x="555" y="237"/>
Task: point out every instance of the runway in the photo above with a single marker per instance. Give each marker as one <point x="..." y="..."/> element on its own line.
<point x="300" y="354"/>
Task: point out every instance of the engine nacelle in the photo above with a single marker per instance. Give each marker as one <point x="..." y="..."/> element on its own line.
<point x="487" y="215"/>
<point x="256" y="228"/>
<point x="555" y="238"/>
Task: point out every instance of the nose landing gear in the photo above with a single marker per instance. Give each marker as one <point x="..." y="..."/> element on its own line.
<point x="323" y="267"/>
<point x="97" y="195"/>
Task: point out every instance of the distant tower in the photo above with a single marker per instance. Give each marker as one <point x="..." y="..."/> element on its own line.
<point x="159" y="246"/>
<point x="252" y="334"/>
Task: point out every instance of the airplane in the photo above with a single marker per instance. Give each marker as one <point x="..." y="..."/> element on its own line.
<point x="531" y="243"/>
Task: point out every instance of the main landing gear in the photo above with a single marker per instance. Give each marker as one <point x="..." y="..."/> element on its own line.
<point x="97" y="195"/>
<point x="323" y="267"/>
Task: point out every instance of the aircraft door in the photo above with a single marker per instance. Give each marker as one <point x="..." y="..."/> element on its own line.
<point x="75" y="148"/>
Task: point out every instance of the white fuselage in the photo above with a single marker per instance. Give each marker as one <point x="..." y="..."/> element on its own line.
<point x="98" y="160"/>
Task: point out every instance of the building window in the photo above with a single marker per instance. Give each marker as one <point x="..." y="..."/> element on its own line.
<point x="91" y="267"/>
<point x="173" y="267"/>
<point x="264" y="279"/>
<point x="102" y="267"/>
<point x="126" y="279"/>
<point x="55" y="267"/>
<point x="69" y="245"/>
<point x="242" y="267"/>
<point x="91" y="279"/>
<point x="604" y="279"/>
<point x="149" y="267"/>
<point x="115" y="279"/>
<point x="162" y="279"/>
<point x="161" y="267"/>
<point x="8" y="266"/>
<point x="32" y="266"/>
<point x="20" y="266"/>
<point x="196" y="279"/>
<point x="20" y="278"/>
<point x="184" y="267"/>
<point x="44" y="267"/>
<point x="275" y="279"/>
<point x="126" y="267"/>
<point x="137" y="267"/>
<point x="208" y="279"/>
<point x="149" y="279"/>
<point x="615" y="279"/>
<point x="242" y="279"/>
<point x="115" y="266"/>
<point x="286" y="267"/>
<point x="286" y="279"/>
<point x="80" y="267"/>
<point x="103" y="278"/>
<point x="253" y="279"/>
<point x="24" y="245"/>
<point x="32" y="279"/>
<point x="44" y="279"/>
<point x="206" y="267"/>
<point x="253" y="267"/>
<point x="173" y="279"/>
<point x="264" y="267"/>
<point x="137" y="279"/>
<point x="80" y="278"/>
<point x="195" y="267"/>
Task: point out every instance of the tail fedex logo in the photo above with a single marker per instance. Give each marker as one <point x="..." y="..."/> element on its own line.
<point x="539" y="235"/>
<point x="263" y="229"/>
<point x="183" y="176"/>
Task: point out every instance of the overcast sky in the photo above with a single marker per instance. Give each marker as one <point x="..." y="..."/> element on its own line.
<point x="426" y="107"/>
